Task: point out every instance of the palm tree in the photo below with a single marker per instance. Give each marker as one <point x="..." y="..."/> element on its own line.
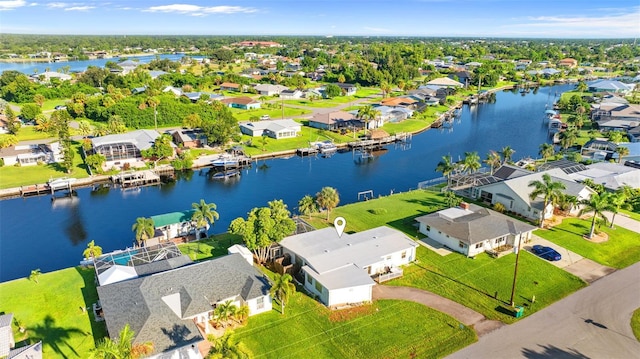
<point x="121" y="347"/>
<point x="547" y="188"/>
<point x="144" y="228"/>
<point x="622" y="152"/>
<point x="446" y="167"/>
<point x="471" y="162"/>
<point x="328" y="199"/>
<point x="282" y="289"/>
<point x="35" y="274"/>
<point x="386" y="88"/>
<point x="242" y="313"/>
<point x="225" y="311"/>
<point x="506" y="153"/>
<point x="307" y="205"/>
<point x="368" y="113"/>
<point x="451" y="199"/>
<point x="546" y="151"/>
<point x="204" y="213"/>
<point x="92" y="251"/>
<point x="568" y="138"/>
<point x="493" y="160"/>
<point x="84" y="128"/>
<point x="618" y="200"/>
<point x="582" y="86"/>
<point x="597" y="204"/>
<point x="225" y="347"/>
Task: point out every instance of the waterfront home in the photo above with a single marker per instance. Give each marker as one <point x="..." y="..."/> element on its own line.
<point x="174" y="309"/>
<point x="45" y="77"/>
<point x="119" y="149"/>
<point x="513" y="193"/>
<point x="335" y="120"/>
<point x="615" y="116"/>
<point x="611" y="175"/>
<point x="269" y="89"/>
<point x="189" y="138"/>
<point x="401" y="101"/>
<point x="340" y="270"/>
<point x="606" y="85"/>
<point x="177" y="224"/>
<point x="568" y="62"/>
<point x="599" y="150"/>
<point x="390" y="114"/>
<point x="444" y="82"/>
<point x="230" y="86"/>
<point x="277" y="129"/>
<point x="244" y="103"/>
<point x="471" y="229"/>
<point x="31" y="155"/>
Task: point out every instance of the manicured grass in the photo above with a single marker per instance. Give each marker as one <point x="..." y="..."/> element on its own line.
<point x="631" y="214"/>
<point x="12" y="176"/>
<point x="315" y="103"/>
<point x="306" y="136"/>
<point x="212" y="247"/>
<point x="50" y="105"/>
<point x="474" y="282"/>
<point x="28" y="133"/>
<point x="621" y="250"/>
<point x="52" y="312"/>
<point x="401" y="209"/>
<point x="276" y="113"/>
<point x="392" y="329"/>
<point x="635" y="323"/>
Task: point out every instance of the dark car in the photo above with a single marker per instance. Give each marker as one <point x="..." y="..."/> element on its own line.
<point x="547" y="253"/>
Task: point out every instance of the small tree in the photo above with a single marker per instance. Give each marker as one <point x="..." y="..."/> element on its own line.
<point x="328" y="199"/>
<point x="598" y="204"/>
<point x="92" y="251"/>
<point x="332" y="90"/>
<point x="282" y="289"/>
<point x="35" y="275"/>
<point x="225" y="347"/>
<point x="39" y="99"/>
<point x="144" y="228"/>
<point x="121" y="347"/>
<point x="451" y="199"/>
<point x="550" y="191"/>
<point x="30" y="111"/>
<point x="96" y="161"/>
<point x="307" y="205"/>
<point x="203" y="214"/>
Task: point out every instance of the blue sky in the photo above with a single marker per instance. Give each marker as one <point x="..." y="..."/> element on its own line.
<point x="497" y="18"/>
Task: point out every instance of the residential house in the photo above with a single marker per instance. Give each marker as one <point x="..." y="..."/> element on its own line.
<point x="514" y="193"/>
<point x="611" y="175"/>
<point x="243" y="102"/>
<point x="335" y="120"/>
<point x="615" y="116"/>
<point x="230" y="86"/>
<point x="568" y="62"/>
<point x="156" y="73"/>
<point x="614" y="86"/>
<point x="444" y="82"/>
<point x="257" y="43"/>
<point x="599" y="150"/>
<point x="277" y="129"/>
<point x="197" y="96"/>
<point x="390" y="114"/>
<point x="269" y="89"/>
<point x="340" y="270"/>
<point x="174" y="90"/>
<point x="347" y="89"/>
<point x="189" y="138"/>
<point x="119" y="149"/>
<point x="291" y="94"/>
<point x="128" y="66"/>
<point x="176" y="224"/>
<point x="464" y="77"/>
<point x="173" y="308"/>
<point x="402" y="101"/>
<point x="471" y="229"/>
<point x="46" y="77"/>
<point x="31" y="155"/>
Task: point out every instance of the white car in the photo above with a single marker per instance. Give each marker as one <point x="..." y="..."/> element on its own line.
<point x="265" y="117"/>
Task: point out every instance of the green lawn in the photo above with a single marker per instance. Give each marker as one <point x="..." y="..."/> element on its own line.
<point x="245" y="115"/>
<point x="621" y="250"/>
<point x="28" y="133"/>
<point x="52" y="312"/>
<point x="631" y="214"/>
<point x="635" y="323"/>
<point x="12" y="176"/>
<point x="212" y="247"/>
<point x="386" y="329"/>
<point x="307" y="135"/>
<point x="474" y="282"/>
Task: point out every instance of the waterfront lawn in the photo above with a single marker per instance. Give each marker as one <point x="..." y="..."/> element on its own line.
<point x="212" y="247"/>
<point x="305" y="136"/>
<point x="475" y="282"/>
<point x="397" y="211"/>
<point x="12" y="176"/>
<point x="51" y="310"/>
<point x="384" y="329"/>
<point x="326" y="103"/>
<point x="621" y="250"/>
<point x="635" y="323"/>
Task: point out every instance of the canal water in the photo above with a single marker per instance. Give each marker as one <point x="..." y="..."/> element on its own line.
<point x="41" y="233"/>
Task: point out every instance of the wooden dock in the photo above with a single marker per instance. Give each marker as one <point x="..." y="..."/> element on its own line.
<point x="131" y="179"/>
<point x="400" y="137"/>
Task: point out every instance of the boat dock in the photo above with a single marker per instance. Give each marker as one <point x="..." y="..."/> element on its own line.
<point x="51" y="187"/>
<point x="379" y="142"/>
<point x="131" y="179"/>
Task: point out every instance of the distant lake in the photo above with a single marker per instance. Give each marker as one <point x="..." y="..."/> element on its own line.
<point x="39" y="233"/>
<point x="30" y="68"/>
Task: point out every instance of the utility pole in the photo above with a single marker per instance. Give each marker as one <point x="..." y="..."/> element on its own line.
<point x="515" y="273"/>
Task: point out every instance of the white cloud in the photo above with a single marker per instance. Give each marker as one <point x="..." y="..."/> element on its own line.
<point x="57" y="5"/>
<point x="196" y="10"/>
<point x="617" y="23"/>
<point x="79" y="8"/>
<point x="12" y="4"/>
<point x="33" y="4"/>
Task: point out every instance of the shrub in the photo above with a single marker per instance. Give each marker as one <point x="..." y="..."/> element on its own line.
<point x="378" y="211"/>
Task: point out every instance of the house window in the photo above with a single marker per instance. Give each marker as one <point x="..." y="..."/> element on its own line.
<point x="309" y="279"/>
<point x="461" y="244"/>
<point x="447" y="236"/>
<point x="428" y="228"/>
<point x="318" y="287"/>
<point x="404" y="255"/>
<point x="479" y="245"/>
<point x="260" y="303"/>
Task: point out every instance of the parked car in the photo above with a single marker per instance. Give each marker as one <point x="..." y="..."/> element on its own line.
<point x="547" y="253"/>
<point x="265" y="117"/>
<point x="61" y="107"/>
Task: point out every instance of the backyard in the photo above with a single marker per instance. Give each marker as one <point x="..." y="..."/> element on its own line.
<point x="621" y="249"/>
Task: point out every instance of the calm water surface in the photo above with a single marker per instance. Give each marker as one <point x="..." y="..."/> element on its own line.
<point x="39" y="233"/>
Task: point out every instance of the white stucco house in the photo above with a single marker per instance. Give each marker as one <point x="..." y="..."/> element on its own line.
<point x="340" y="270"/>
<point x="277" y="129"/>
<point x="471" y="229"/>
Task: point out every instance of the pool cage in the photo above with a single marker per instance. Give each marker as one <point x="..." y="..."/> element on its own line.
<point x="118" y="151"/>
<point x="137" y="256"/>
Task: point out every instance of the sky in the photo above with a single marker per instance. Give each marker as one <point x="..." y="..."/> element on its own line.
<point x="439" y="18"/>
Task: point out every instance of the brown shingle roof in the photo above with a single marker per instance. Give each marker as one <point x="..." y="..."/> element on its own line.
<point x="244" y="100"/>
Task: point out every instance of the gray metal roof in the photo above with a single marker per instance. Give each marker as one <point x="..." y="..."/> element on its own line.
<point x="157" y="306"/>
<point x="344" y="277"/>
<point x="474" y="225"/>
<point x="142" y="139"/>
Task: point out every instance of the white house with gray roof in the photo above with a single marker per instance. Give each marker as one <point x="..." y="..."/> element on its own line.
<point x="172" y="309"/>
<point x="471" y="229"/>
<point x="340" y="269"/>
<point x="277" y="129"/>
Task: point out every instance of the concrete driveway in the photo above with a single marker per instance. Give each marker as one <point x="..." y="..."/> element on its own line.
<point x="568" y="257"/>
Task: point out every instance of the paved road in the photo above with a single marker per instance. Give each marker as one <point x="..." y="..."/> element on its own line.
<point x="591" y="323"/>
<point x="625" y="222"/>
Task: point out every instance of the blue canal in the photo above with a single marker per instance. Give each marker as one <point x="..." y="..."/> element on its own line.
<point x="50" y="235"/>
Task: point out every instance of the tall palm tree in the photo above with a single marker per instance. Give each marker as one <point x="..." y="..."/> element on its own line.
<point x="546" y="151"/>
<point x="307" y="205"/>
<point x="92" y="251"/>
<point x="547" y="188"/>
<point x="144" y="228"/>
<point x="597" y="204"/>
<point x="446" y="167"/>
<point x="328" y="199"/>
<point x="622" y="152"/>
<point x="368" y="113"/>
<point x="471" y="162"/>
<point x="203" y="214"/>
<point x="506" y="153"/>
<point x="282" y="289"/>
<point x="225" y="347"/>
<point x="493" y="160"/>
<point x="121" y="347"/>
<point x="618" y="201"/>
<point x="582" y="86"/>
<point x="568" y="138"/>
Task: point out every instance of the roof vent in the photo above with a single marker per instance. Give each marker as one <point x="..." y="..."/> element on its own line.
<point x="349" y="244"/>
<point x="326" y="251"/>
